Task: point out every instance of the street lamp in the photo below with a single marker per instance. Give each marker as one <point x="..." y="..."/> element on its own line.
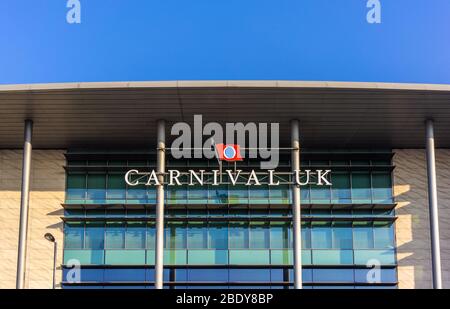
<point x="52" y="239"/>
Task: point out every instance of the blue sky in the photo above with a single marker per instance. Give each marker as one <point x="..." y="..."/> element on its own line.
<point x="136" y="40"/>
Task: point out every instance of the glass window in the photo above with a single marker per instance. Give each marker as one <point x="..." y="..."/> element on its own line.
<point x="96" y="187"/>
<point x="136" y="213"/>
<point x="197" y="236"/>
<point x="376" y="275"/>
<point x="320" y="162"/>
<point x="362" y="235"/>
<point x="239" y="235"/>
<point x="208" y="275"/>
<point x="115" y="235"/>
<point x="381" y="162"/>
<point x="151" y="195"/>
<point x="333" y="275"/>
<point x="279" y="235"/>
<point x="76" y="187"/>
<point x="96" y="162"/>
<point x="117" y="163"/>
<point x="360" y="162"/>
<point x="137" y="163"/>
<point x="95" y="235"/>
<point x="125" y="275"/>
<point x="321" y="237"/>
<point x="382" y="187"/>
<point x="176" y="194"/>
<point x="339" y="162"/>
<point x="151" y="237"/>
<point x="341" y="188"/>
<point x="80" y="213"/>
<point x="137" y="194"/>
<point x="116" y="187"/>
<point x="342" y="235"/>
<point x="361" y="188"/>
<point x="238" y="194"/>
<point x="218" y="194"/>
<point x="176" y="234"/>
<point x="259" y="194"/>
<point x="71" y="162"/>
<point x="320" y="194"/>
<point x="74" y="235"/>
<point x="135" y="235"/>
<point x="86" y="274"/>
<point x="218" y="235"/>
<point x="259" y="235"/>
<point x="280" y="194"/>
<point x="306" y="235"/>
<point x="383" y="234"/>
<point x="250" y="275"/>
<point x="305" y="194"/>
<point x="198" y="193"/>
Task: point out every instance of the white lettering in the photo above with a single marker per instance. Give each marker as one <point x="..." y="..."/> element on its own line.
<point x="127" y="178"/>
<point x="153" y="178"/>
<point x="322" y="177"/>
<point x="173" y="176"/>
<point x="233" y="179"/>
<point x="253" y="178"/>
<point x="193" y="174"/>
<point x="271" y="183"/>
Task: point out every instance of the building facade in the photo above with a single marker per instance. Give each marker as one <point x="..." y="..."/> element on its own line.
<point x="369" y="229"/>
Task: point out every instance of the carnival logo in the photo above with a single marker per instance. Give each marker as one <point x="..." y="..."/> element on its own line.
<point x="231" y="153"/>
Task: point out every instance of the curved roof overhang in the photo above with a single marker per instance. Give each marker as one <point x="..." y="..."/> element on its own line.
<point x="331" y="114"/>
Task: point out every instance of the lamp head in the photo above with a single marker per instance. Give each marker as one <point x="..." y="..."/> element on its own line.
<point x="49" y="237"/>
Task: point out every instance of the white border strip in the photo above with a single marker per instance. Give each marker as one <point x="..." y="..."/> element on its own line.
<point x="224" y="84"/>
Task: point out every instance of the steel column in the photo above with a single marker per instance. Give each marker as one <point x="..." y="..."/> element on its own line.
<point x="160" y="162"/>
<point x="296" y="210"/>
<point x="24" y="202"/>
<point x="433" y="205"/>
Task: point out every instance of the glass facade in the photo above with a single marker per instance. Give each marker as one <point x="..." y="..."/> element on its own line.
<point x="231" y="236"/>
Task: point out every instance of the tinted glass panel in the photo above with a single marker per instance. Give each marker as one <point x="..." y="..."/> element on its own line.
<point x="135" y="235"/>
<point x="74" y="235"/>
<point x="115" y="235"/>
<point x="321" y="236"/>
<point x="218" y="235"/>
<point x="239" y="235"/>
<point x="197" y="236"/>
<point x="259" y="235"/>
<point x="95" y="235"/>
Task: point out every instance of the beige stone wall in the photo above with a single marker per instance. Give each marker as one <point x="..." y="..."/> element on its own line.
<point x="47" y="194"/>
<point x="412" y="226"/>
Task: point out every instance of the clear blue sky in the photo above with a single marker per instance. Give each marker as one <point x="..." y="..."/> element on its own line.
<point x="135" y="40"/>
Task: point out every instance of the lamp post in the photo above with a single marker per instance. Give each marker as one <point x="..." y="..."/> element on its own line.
<point x="52" y="239"/>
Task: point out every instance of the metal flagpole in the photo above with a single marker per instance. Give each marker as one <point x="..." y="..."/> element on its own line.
<point x="296" y="210"/>
<point x="160" y="162"/>
<point x="213" y="143"/>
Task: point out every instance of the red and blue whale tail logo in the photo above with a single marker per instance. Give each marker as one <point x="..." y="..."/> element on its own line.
<point x="228" y="152"/>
